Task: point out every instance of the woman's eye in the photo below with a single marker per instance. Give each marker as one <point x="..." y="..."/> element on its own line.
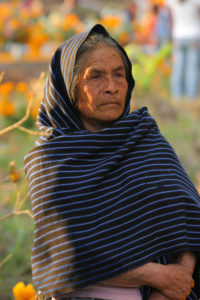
<point x="119" y="75"/>
<point x="96" y="76"/>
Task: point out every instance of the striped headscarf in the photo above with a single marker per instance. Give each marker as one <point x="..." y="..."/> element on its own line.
<point x="105" y="202"/>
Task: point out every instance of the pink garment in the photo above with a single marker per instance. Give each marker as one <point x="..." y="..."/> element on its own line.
<point x="108" y="293"/>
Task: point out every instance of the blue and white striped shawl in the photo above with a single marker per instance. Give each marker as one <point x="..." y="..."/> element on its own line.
<point x="105" y="202"/>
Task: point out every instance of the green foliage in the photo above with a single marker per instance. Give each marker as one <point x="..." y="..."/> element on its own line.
<point x="184" y="136"/>
<point x="16" y="236"/>
<point x="16" y="232"/>
<point x="14" y="146"/>
<point x="146" y="67"/>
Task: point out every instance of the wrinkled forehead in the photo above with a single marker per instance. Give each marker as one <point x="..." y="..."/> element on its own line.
<point x="102" y="59"/>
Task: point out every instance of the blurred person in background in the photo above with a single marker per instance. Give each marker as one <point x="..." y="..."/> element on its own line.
<point x="132" y="11"/>
<point x="163" y="25"/>
<point x="69" y="6"/>
<point x="148" y="32"/>
<point x="185" y="15"/>
<point x="131" y="17"/>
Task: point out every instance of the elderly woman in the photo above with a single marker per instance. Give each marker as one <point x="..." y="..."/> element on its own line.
<point x="116" y="216"/>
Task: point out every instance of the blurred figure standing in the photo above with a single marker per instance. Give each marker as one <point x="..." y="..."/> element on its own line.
<point x="132" y="11"/>
<point x="163" y="26"/>
<point x="148" y="31"/>
<point x="185" y="15"/>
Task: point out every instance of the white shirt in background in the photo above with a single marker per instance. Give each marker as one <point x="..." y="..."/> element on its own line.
<point x="185" y="18"/>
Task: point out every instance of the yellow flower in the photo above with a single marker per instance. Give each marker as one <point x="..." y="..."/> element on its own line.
<point x="22" y="292"/>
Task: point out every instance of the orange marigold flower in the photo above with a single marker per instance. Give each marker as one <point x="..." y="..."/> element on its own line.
<point x="156" y="2"/>
<point x="7" y="107"/>
<point x="70" y="22"/>
<point x="21" y="87"/>
<point x="37" y="38"/>
<point x="14" y="24"/>
<point x="123" y="38"/>
<point x="6" y="88"/>
<point x="111" y="22"/>
<point x="22" y="292"/>
<point x="6" y="11"/>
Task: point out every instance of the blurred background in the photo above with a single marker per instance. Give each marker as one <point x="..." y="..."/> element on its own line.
<point x="30" y="32"/>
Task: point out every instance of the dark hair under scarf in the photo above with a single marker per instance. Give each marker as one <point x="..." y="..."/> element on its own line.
<point x="105" y="202"/>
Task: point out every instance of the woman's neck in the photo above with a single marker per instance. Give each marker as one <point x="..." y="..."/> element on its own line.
<point x="95" y="126"/>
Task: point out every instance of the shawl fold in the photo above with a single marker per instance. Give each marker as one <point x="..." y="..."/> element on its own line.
<point x="106" y="202"/>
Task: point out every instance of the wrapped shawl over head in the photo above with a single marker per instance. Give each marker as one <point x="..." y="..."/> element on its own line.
<point x="105" y="202"/>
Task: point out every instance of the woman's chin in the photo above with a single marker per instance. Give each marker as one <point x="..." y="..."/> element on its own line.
<point x="111" y="115"/>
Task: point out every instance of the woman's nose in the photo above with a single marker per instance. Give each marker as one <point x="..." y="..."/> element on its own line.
<point x="110" y="85"/>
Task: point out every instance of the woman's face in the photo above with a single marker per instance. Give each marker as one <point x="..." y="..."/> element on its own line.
<point x="102" y="88"/>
